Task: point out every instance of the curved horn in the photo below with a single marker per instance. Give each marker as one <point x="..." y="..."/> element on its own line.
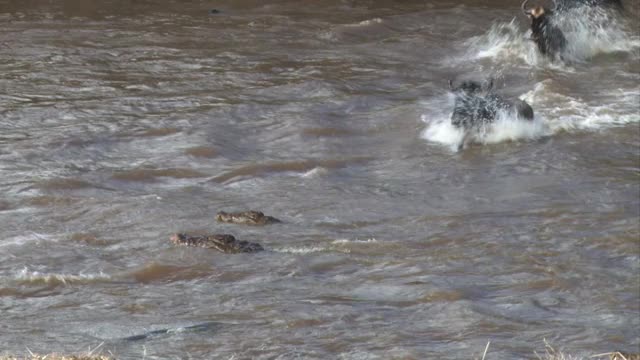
<point x="524" y="7"/>
<point x="490" y="84"/>
<point x="555" y="5"/>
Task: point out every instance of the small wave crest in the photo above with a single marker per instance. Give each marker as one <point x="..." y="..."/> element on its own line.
<point x="38" y="278"/>
<point x="315" y="172"/>
<point x="366" y="22"/>
<point x="355" y="241"/>
<point x="300" y="249"/>
<point x="300" y="167"/>
<point x="27" y="238"/>
<point x="338" y="245"/>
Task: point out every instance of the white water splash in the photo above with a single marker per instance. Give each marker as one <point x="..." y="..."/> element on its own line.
<point x="589" y="32"/>
<point x="593" y="30"/>
<point x="577" y="114"/>
<point x="502" y="41"/>
<point x="554" y="113"/>
<point x="506" y="127"/>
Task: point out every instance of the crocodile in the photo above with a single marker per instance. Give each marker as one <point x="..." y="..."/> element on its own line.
<point x="222" y="242"/>
<point x="250" y="217"/>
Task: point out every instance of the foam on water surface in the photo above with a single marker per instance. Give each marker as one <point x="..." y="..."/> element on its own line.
<point x="569" y="113"/>
<point x="554" y="112"/>
<point x="35" y="277"/>
<point x="21" y="240"/>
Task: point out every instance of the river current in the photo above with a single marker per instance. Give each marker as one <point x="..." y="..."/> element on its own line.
<point x="123" y="122"/>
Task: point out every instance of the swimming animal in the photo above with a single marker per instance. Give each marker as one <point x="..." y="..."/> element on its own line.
<point x="544" y="33"/>
<point x="250" y="217"/>
<point x="477" y="106"/>
<point x="222" y="242"/>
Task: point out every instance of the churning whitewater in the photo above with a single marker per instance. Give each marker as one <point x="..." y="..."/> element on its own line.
<point x="600" y="32"/>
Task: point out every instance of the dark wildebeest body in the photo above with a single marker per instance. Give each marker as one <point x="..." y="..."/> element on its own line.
<point x="470" y="109"/>
<point x="548" y="37"/>
<point x="476" y="107"/>
<point x="222" y="242"/>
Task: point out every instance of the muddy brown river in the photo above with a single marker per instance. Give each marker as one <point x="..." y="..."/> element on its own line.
<point x="123" y="122"/>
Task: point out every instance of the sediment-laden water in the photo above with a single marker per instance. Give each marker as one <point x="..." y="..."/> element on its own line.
<point x="126" y="121"/>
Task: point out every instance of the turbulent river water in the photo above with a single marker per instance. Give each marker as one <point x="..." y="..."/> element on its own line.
<point x="122" y="122"/>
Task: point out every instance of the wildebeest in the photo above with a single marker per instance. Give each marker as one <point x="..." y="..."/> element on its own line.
<point x="476" y="106"/>
<point x="547" y="36"/>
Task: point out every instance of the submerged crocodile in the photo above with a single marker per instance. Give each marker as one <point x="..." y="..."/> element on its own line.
<point x="250" y="217"/>
<point x="222" y="242"/>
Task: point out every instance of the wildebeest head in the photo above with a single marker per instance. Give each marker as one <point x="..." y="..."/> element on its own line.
<point x="539" y="16"/>
<point x="537" y="13"/>
<point x="470" y="87"/>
